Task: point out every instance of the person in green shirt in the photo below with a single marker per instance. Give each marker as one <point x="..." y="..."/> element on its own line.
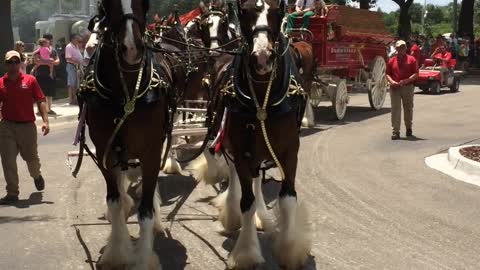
<point x="305" y="9"/>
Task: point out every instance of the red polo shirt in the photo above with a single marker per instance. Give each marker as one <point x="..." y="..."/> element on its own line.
<point x="415" y="52"/>
<point x="446" y="57"/>
<point x="402" y="69"/>
<point x="18" y="97"/>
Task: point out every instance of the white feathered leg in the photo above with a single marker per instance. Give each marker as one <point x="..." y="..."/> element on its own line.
<point x="247" y="253"/>
<point x="156" y="206"/>
<point x="125" y="200"/>
<point x="262" y="217"/>
<point x="229" y="203"/>
<point x="145" y="258"/>
<point x="210" y="169"/>
<point x="119" y="247"/>
<point x="292" y="243"/>
<point x="309" y="117"/>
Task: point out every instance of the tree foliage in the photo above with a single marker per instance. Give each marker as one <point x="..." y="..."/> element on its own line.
<point x="465" y="21"/>
<point x="438" y="19"/>
<point x="6" y="42"/>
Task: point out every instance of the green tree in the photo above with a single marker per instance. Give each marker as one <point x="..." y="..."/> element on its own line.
<point x="435" y="15"/>
<point x="6" y="42"/>
<point x="404" y="25"/>
<point x="465" y="21"/>
<point x="415" y="12"/>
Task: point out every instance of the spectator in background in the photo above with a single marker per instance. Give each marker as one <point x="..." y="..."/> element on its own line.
<point x="74" y="60"/>
<point x="44" y="52"/>
<point x="415" y="51"/>
<point x="46" y="82"/>
<point x="463" y="54"/>
<point x="156" y="20"/>
<point x="392" y="51"/>
<point x="438" y="43"/>
<point x="20" y="48"/>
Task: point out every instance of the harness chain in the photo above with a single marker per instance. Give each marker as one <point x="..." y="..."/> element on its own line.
<point x="129" y="106"/>
<point x="262" y="116"/>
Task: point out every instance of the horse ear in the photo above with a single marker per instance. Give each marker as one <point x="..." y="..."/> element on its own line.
<point x="146" y="6"/>
<point x="239" y="7"/>
<point x="281" y="8"/>
<point x="203" y="7"/>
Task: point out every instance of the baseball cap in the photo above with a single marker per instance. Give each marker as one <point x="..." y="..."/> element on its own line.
<point x="400" y="43"/>
<point x="10" y="54"/>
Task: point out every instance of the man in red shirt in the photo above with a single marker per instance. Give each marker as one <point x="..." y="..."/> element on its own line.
<point x="415" y="51"/>
<point x="441" y="54"/>
<point x="18" y="132"/>
<point x="402" y="71"/>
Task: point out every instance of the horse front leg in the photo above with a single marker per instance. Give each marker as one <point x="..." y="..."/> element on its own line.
<point x="247" y="253"/>
<point x="228" y="202"/>
<point x="119" y="247"/>
<point x="292" y="242"/>
<point x="145" y="257"/>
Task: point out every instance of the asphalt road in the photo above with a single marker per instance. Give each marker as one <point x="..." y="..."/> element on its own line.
<point x="373" y="202"/>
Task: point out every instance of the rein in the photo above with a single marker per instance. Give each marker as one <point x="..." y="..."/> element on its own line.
<point x="198" y="48"/>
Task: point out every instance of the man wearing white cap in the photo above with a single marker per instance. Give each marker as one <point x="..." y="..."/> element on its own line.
<point x="18" y="132"/>
<point x="402" y="71"/>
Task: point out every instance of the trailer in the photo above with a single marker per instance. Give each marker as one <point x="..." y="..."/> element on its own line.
<point x="350" y="48"/>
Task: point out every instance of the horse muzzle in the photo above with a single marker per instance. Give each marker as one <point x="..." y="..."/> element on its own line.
<point x="263" y="61"/>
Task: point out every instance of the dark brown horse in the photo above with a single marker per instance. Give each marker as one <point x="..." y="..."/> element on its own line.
<point x="264" y="105"/>
<point x="127" y="114"/>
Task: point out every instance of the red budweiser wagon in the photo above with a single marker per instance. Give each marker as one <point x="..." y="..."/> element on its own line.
<point x="350" y="46"/>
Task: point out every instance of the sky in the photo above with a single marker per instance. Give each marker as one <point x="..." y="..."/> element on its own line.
<point x="389" y="5"/>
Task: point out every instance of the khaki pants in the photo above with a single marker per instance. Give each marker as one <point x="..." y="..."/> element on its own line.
<point x="402" y="95"/>
<point x="18" y="138"/>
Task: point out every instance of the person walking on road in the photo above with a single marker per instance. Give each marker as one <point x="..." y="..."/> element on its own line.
<point x="402" y="71"/>
<point x="18" y="132"/>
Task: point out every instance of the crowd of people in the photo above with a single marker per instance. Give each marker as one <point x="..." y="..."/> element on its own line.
<point x="465" y="51"/>
<point x="44" y="60"/>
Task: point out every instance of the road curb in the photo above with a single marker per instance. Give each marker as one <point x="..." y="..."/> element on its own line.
<point x="462" y="163"/>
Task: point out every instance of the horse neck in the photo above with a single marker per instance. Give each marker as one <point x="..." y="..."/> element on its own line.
<point x="261" y="83"/>
<point x="108" y="61"/>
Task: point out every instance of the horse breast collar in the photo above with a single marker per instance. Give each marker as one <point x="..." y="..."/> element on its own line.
<point x="154" y="77"/>
<point x="284" y="83"/>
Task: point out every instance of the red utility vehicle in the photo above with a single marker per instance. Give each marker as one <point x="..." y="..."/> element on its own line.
<point x="434" y="76"/>
<point x="350" y="46"/>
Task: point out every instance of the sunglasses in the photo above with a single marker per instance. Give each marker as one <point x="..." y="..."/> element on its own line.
<point x="13" y="62"/>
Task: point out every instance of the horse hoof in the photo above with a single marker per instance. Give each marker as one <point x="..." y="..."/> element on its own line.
<point x="251" y="259"/>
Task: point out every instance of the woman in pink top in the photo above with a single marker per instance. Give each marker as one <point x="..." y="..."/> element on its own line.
<point x="44" y="52"/>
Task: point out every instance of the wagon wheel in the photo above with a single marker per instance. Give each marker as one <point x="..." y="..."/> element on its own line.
<point x="315" y="94"/>
<point x="341" y="99"/>
<point x="378" y="90"/>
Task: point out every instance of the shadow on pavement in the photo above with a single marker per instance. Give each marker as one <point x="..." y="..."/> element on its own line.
<point x="36" y="198"/>
<point x="326" y="116"/>
<point x="305" y="132"/>
<point x="173" y="187"/>
<point x="172" y="254"/>
<point x="412" y="139"/>
<point x="10" y="219"/>
<point x="442" y="92"/>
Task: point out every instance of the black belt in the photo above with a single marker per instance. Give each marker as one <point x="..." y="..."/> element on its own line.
<point x="19" y="122"/>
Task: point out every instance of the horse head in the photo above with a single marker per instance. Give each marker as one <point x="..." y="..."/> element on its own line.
<point x="214" y="25"/>
<point x="260" y="22"/>
<point x="124" y="22"/>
